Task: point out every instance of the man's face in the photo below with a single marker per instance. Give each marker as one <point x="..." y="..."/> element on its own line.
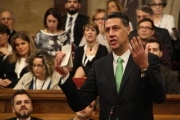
<point x="87" y="112"/>
<point x="72" y="6"/>
<point x="145" y="31"/>
<point x="22" y="106"/>
<point x="7" y="19"/>
<point x="140" y="15"/>
<point x="3" y="39"/>
<point x="154" y="49"/>
<point x="117" y="35"/>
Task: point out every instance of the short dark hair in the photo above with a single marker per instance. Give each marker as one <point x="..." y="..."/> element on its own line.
<point x="155" y="41"/>
<point x="164" y="2"/>
<point x="20" y="92"/>
<point x="55" y="13"/>
<point x="146" y="20"/>
<point x="124" y="18"/>
<point x="146" y="9"/>
<point x="78" y="1"/>
<point x="96" y="105"/>
<point x="93" y="25"/>
<point x="4" y="29"/>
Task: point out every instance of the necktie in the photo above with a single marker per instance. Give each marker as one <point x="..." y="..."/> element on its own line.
<point x="70" y="24"/>
<point x="119" y="73"/>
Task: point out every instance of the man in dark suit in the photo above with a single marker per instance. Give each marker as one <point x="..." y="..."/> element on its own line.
<point x="127" y="89"/>
<point x="22" y="106"/>
<point x="8" y="18"/>
<point x="77" y="21"/>
<point x="146" y="32"/>
<point x="145" y="11"/>
<point x="170" y="77"/>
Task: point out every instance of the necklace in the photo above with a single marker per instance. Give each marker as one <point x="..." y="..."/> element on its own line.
<point x="42" y="84"/>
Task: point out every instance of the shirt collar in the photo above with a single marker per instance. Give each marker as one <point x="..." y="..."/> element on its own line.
<point x="73" y="16"/>
<point x="124" y="56"/>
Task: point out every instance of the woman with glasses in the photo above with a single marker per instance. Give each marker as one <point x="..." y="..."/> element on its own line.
<point x="42" y="75"/>
<point x="52" y="38"/>
<point x="116" y="6"/>
<point x="14" y="66"/>
<point x="160" y="19"/>
<point x="98" y="19"/>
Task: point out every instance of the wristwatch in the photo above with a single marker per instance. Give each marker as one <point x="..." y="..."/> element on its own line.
<point x="143" y="72"/>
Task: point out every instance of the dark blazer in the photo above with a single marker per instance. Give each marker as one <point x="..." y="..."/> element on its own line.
<point x="7" y="70"/>
<point x="101" y="52"/>
<point x="162" y="35"/>
<point x="134" y="101"/>
<point x="78" y="27"/>
<point x="9" y="39"/>
<point x="32" y="118"/>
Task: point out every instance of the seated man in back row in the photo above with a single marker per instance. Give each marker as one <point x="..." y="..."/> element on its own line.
<point x="170" y="77"/>
<point x="87" y="112"/>
<point x="22" y="106"/>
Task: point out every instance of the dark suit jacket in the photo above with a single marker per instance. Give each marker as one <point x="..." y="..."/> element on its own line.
<point x="170" y="79"/>
<point x="134" y="101"/>
<point x="78" y="27"/>
<point x="32" y="118"/>
<point x="7" y="70"/>
<point x="9" y="39"/>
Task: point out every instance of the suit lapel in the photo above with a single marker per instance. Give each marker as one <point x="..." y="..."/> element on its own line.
<point x="128" y="70"/>
<point x="108" y="65"/>
<point x="77" y="22"/>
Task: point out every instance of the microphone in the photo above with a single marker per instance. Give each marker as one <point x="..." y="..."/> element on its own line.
<point x="111" y="112"/>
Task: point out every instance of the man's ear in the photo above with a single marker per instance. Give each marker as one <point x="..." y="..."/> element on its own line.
<point x="161" y="53"/>
<point x="128" y="30"/>
<point x="93" y="112"/>
<point x="65" y="5"/>
<point x="13" y="109"/>
<point x="79" y="5"/>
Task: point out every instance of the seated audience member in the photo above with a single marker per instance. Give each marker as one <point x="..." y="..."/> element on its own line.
<point x="170" y="78"/>
<point x="87" y="112"/>
<point x="12" y="67"/>
<point x="146" y="32"/>
<point x="5" y="47"/>
<point x="98" y="18"/>
<point x="42" y="75"/>
<point x="116" y="6"/>
<point x="86" y="55"/>
<point x="52" y="38"/>
<point x="8" y="18"/>
<point x="22" y="106"/>
<point x="74" y="21"/>
<point x="160" y="19"/>
<point x="145" y="11"/>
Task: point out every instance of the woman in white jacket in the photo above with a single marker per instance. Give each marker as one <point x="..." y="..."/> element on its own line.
<point x="160" y="19"/>
<point x="42" y="75"/>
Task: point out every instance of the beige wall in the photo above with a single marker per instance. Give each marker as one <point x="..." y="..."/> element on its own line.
<point x="28" y="13"/>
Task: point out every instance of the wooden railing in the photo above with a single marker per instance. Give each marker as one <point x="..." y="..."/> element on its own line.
<point x="54" y="102"/>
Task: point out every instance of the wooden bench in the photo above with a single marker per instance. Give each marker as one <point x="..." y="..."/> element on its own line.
<point x="54" y="102"/>
<point x="50" y="116"/>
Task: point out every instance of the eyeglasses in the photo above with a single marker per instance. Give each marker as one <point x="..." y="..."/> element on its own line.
<point x="38" y="65"/>
<point x="145" y="28"/>
<point x="98" y="19"/>
<point x="8" y="19"/>
<point x="156" y="5"/>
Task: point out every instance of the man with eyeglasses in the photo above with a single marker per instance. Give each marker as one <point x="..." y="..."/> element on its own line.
<point x="146" y="32"/>
<point x="8" y="18"/>
<point x="162" y="35"/>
